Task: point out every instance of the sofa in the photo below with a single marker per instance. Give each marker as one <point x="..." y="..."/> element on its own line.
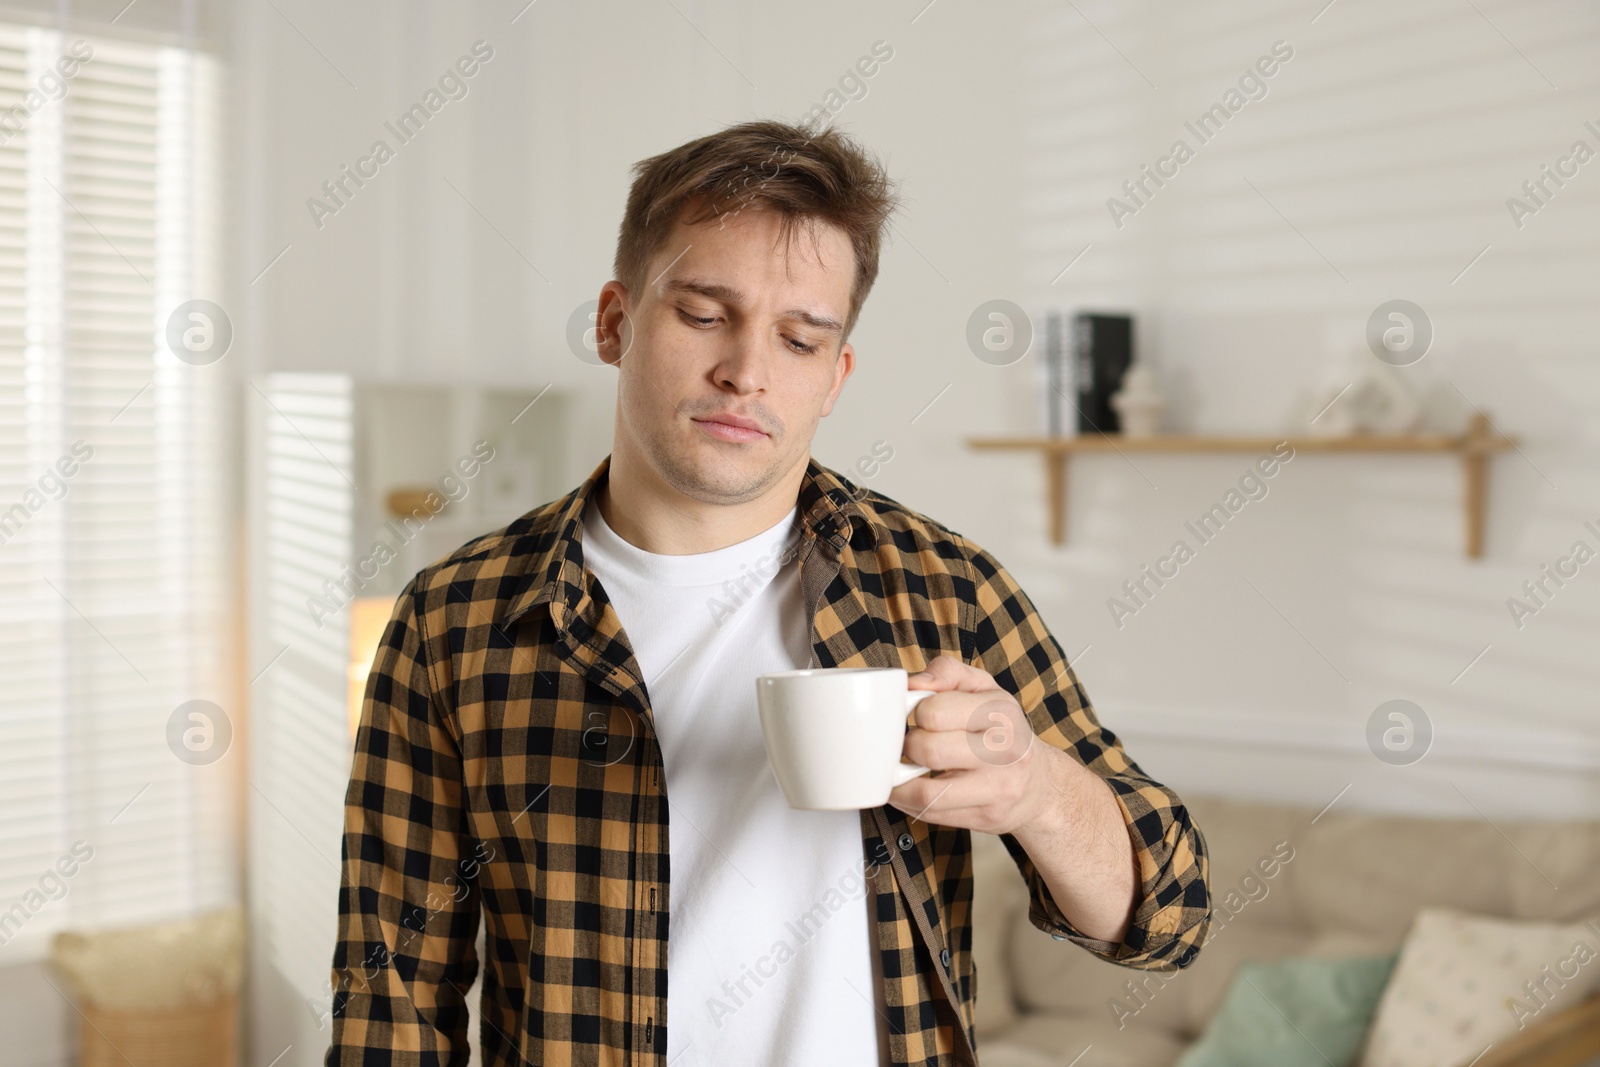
<point x="1350" y="886"/>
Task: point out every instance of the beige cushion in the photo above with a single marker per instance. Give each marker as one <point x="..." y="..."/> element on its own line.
<point x="1370" y="873"/>
<point x="1004" y="1055"/>
<point x="1352" y="888"/>
<point x="1243" y="843"/>
<point x="1062" y="977"/>
<point x="1566" y="854"/>
<point x="1461" y="986"/>
<point x="1044" y="1040"/>
<point x="1346" y="943"/>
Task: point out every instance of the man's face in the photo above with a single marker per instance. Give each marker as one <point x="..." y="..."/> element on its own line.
<point x="731" y="322"/>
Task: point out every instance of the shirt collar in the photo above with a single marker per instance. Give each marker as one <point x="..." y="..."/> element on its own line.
<point x="828" y="505"/>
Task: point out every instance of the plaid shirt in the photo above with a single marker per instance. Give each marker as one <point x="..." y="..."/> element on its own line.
<point x="505" y="766"/>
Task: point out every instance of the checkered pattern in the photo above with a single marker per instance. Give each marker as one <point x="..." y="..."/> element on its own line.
<point x="505" y="767"/>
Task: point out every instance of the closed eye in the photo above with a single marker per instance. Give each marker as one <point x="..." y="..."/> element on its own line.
<point x="796" y="346"/>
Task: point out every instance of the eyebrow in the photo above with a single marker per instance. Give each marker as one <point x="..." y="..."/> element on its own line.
<point x="729" y="295"/>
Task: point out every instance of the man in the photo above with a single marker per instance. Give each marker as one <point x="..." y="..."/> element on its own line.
<point x="560" y="731"/>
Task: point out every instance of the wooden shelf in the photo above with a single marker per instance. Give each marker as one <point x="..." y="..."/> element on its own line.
<point x="1473" y="447"/>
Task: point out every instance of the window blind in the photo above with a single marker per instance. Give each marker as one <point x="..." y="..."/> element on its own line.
<point x="114" y="495"/>
<point x="303" y="748"/>
<point x="192" y="24"/>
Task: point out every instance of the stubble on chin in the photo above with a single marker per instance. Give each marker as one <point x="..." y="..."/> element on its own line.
<point x="705" y="470"/>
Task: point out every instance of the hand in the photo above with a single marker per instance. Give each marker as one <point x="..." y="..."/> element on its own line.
<point x="991" y="773"/>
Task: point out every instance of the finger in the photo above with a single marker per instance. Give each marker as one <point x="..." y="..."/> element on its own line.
<point x="943" y="711"/>
<point x="924" y="798"/>
<point x="942" y="750"/>
<point x="944" y="671"/>
<point x="969" y="712"/>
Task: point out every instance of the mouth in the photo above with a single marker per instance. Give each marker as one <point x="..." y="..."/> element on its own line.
<point x="730" y="431"/>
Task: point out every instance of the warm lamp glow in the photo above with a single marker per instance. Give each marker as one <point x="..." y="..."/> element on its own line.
<point x="369" y="616"/>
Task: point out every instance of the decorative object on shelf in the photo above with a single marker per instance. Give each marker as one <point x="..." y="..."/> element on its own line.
<point x="1139" y="402"/>
<point x="1382" y="401"/>
<point x="1102" y="348"/>
<point x="1360" y="394"/>
<point x="1474" y="447"/>
<point x="1443" y="408"/>
<point x="1056" y="389"/>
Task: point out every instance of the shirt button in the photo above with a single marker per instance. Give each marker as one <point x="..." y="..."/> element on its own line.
<point x="905" y="842"/>
<point x="944" y="959"/>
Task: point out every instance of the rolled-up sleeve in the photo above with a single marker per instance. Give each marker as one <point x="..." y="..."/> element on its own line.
<point x="1012" y="643"/>
<point x="408" y="897"/>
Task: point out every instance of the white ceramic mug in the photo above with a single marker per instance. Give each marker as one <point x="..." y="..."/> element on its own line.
<point x="834" y="734"/>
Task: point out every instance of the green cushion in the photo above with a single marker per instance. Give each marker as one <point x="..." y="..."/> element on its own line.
<point x="1299" y="1011"/>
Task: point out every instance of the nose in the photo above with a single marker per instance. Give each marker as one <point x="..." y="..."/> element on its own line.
<point x="740" y="367"/>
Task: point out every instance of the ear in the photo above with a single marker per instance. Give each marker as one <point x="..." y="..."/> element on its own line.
<point x="842" y="368"/>
<point x="612" y="326"/>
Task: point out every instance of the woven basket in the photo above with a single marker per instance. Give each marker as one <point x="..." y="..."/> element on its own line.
<point x="159" y="995"/>
<point x="201" y="1035"/>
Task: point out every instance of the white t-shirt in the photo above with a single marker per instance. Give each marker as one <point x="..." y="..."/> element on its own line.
<point x="768" y="953"/>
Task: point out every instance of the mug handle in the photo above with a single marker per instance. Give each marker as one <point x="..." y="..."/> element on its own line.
<point x="904" y="772"/>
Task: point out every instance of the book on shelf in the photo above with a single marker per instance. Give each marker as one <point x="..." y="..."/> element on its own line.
<point x="1102" y="348"/>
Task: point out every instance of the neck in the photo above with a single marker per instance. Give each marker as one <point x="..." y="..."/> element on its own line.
<point x="649" y="514"/>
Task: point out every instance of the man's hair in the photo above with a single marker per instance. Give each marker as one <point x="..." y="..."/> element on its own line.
<point x="804" y="174"/>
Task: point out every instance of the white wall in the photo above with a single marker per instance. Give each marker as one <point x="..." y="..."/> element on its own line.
<point x="1383" y="155"/>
